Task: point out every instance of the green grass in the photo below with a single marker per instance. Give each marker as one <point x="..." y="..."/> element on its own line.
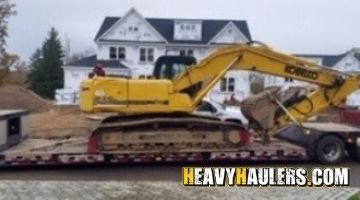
<point x="355" y="196"/>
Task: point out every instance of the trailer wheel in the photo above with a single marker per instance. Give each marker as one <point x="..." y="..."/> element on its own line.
<point x="330" y="150"/>
<point x="354" y="153"/>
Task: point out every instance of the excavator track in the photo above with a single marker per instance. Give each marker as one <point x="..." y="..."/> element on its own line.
<point x="178" y="132"/>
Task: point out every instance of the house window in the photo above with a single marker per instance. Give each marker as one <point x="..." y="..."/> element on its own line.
<point x="182" y="52"/>
<point x="143" y="76"/>
<point x="117" y="53"/>
<point x="112" y="53"/>
<point x="146" y="54"/>
<point x="190" y="52"/>
<point x="231" y="85"/>
<point x="227" y="85"/>
<point x="133" y="29"/>
<point x="150" y="54"/>
<point x="121" y="53"/>
<point x="187" y="52"/>
<point x="289" y="80"/>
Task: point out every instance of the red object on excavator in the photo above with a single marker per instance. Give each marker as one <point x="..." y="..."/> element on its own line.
<point x="99" y="70"/>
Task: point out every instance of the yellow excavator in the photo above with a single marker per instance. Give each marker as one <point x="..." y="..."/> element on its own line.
<point x="156" y="115"/>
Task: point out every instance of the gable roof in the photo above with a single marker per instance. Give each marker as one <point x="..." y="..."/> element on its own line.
<point x="228" y="25"/>
<point x="327" y="60"/>
<point x="166" y="28"/>
<point x="107" y="23"/>
<point x="357" y="56"/>
<point x="91" y="61"/>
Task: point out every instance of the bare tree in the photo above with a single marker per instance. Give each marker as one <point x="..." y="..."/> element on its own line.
<point x="17" y="75"/>
<point x="70" y="56"/>
<point x="6" y="59"/>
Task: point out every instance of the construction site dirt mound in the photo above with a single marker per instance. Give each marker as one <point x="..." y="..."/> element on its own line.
<point x="63" y="122"/>
<point x="14" y="97"/>
<point x="60" y="122"/>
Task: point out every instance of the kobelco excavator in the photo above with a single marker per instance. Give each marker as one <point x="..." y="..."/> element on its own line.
<point x="155" y="115"/>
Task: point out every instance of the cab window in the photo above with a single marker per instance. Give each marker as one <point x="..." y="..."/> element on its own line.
<point x="205" y="106"/>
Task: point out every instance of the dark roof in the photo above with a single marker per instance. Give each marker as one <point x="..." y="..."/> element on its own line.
<point x="327" y="60"/>
<point x="357" y="56"/>
<point x="107" y="23"/>
<point x="91" y="61"/>
<point x="166" y="28"/>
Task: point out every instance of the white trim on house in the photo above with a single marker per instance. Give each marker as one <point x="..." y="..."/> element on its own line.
<point x="131" y="43"/>
<point x="196" y="45"/>
<point x="131" y="11"/>
<point x="76" y="67"/>
<point x="109" y="69"/>
<point x="188" y="20"/>
<point x="158" y="44"/>
<point x="224" y="29"/>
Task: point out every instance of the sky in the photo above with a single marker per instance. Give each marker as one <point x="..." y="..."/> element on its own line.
<point x="297" y="26"/>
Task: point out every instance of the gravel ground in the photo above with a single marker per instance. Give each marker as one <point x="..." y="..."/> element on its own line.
<point x="39" y="190"/>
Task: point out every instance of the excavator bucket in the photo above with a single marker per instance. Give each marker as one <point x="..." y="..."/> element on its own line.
<point x="262" y="109"/>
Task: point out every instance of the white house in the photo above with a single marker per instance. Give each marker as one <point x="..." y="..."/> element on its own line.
<point x="129" y="45"/>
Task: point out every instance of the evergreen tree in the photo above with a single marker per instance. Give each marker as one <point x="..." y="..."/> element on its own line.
<point x="46" y="74"/>
<point x="36" y="75"/>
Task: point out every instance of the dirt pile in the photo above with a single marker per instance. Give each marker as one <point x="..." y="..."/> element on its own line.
<point x="14" y="97"/>
<point x="61" y="122"/>
<point x="47" y="120"/>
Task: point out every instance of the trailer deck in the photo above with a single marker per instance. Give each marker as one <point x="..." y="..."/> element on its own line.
<point x="73" y="151"/>
<point x="331" y="127"/>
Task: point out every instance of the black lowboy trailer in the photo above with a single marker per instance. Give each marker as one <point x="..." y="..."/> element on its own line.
<point x="326" y="142"/>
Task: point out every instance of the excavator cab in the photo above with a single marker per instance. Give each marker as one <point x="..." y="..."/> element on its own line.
<point x="167" y="67"/>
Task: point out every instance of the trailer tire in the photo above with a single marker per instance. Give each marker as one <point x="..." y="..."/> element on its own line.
<point x="354" y="153"/>
<point x="330" y="150"/>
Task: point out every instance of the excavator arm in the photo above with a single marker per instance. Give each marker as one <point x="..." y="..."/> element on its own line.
<point x="333" y="86"/>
